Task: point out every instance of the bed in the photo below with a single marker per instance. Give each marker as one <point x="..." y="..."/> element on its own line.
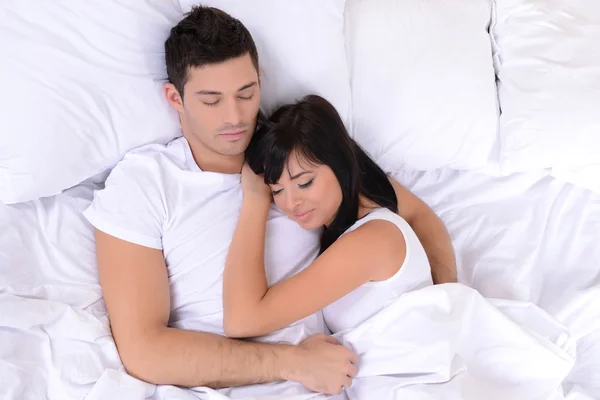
<point x="522" y="208"/>
<point x="514" y="238"/>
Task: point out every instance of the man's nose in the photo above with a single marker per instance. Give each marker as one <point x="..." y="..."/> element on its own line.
<point x="233" y="114"/>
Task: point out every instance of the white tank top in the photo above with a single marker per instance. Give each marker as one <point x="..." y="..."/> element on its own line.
<point x="372" y="297"/>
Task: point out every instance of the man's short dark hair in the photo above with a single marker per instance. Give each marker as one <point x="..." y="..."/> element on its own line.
<point x="205" y="36"/>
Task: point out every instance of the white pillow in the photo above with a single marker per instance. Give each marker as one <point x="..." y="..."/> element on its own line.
<point x="300" y="45"/>
<point x="82" y="86"/>
<point x="423" y="85"/>
<point x="548" y="64"/>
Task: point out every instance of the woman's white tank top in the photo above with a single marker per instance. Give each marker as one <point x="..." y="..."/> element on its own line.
<point x="372" y="297"/>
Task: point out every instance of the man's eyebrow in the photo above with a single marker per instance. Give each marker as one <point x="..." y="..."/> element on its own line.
<point x="247" y="86"/>
<point x="217" y="93"/>
<point x="211" y="92"/>
<point x="299" y="175"/>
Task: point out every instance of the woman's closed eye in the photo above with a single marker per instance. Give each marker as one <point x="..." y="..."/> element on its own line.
<point x="275" y="192"/>
<point x="307" y="184"/>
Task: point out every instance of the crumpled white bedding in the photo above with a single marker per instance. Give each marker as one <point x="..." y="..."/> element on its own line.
<point x="439" y="342"/>
<point x="449" y="342"/>
<point x="527" y="237"/>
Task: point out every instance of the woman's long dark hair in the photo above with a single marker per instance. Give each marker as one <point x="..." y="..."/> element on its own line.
<point x="314" y="130"/>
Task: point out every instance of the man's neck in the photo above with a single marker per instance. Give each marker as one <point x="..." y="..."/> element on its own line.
<point x="212" y="162"/>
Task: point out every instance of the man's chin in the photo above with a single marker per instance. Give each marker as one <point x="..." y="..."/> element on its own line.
<point x="234" y="149"/>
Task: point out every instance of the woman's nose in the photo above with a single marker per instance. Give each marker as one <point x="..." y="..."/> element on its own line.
<point x="293" y="201"/>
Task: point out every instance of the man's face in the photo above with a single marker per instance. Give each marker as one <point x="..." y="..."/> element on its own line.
<point x="220" y="106"/>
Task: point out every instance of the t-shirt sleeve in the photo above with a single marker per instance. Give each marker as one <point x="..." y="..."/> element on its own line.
<point x="131" y="206"/>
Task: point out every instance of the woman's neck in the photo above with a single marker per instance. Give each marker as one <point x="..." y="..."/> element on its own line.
<point x="365" y="206"/>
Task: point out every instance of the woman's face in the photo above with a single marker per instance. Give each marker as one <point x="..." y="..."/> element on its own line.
<point x="308" y="193"/>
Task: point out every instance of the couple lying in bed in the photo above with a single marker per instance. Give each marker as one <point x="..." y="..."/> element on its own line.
<point x="190" y="246"/>
<point x="319" y="177"/>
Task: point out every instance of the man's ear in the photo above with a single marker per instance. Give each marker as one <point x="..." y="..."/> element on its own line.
<point x="173" y="97"/>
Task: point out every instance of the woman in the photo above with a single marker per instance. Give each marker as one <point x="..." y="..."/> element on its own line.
<point x="319" y="177"/>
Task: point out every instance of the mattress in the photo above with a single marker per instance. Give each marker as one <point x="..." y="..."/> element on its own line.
<point x="527" y="237"/>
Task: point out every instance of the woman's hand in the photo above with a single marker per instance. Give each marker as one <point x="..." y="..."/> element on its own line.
<point x="254" y="186"/>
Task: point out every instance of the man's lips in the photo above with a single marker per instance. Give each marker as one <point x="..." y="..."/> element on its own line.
<point x="234" y="135"/>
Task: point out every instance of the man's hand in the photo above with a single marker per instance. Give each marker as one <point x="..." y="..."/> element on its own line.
<point x="323" y="365"/>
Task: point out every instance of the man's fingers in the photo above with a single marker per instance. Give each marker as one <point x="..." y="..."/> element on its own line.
<point x="353" y="358"/>
<point x="352" y="371"/>
<point x="330" y="339"/>
<point x="347" y="382"/>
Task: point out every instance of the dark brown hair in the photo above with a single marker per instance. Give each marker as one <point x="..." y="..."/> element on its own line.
<point x="204" y="36"/>
<point x="314" y="130"/>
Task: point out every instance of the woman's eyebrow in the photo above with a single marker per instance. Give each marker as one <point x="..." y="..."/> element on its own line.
<point x="299" y="175"/>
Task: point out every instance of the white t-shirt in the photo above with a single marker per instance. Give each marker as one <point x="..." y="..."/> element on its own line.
<point x="158" y="197"/>
<point x="366" y="301"/>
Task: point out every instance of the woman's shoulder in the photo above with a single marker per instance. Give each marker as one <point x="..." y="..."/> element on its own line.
<point x="380" y="243"/>
<point x="381" y="214"/>
<point x="377" y="230"/>
<point x="381" y="223"/>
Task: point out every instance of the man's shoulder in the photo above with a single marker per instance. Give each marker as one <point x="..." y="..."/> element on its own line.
<point x="173" y="150"/>
<point x="153" y="158"/>
<point x="134" y="203"/>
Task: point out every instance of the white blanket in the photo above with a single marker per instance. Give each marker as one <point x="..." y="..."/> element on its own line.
<point x="523" y="238"/>
<point x="441" y="342"/>
<point x="449" y="342"/>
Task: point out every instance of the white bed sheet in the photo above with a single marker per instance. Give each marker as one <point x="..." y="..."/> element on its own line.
<point x="526" y="237"/>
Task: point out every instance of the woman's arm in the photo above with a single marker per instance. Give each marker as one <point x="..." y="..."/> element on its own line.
<point x="253" y="309"/>
<point x="431" y="232"/>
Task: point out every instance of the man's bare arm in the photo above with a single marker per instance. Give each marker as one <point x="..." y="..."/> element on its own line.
<point x="136" y="292"/>
<point x="431" y="231"/>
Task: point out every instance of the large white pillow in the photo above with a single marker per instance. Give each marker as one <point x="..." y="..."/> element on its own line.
<point x="82" y="83"/>
<point x="300" y="45"/>
<point x="548" y="63"/>
<point x="423" y="85"/>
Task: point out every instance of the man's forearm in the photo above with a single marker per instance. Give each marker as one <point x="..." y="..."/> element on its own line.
<point x="435" y="239"/>
<point x="190" y="358"/>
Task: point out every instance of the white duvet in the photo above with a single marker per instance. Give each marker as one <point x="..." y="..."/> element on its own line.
<point x="449" y="342"/>
<point x="526" y="239"/>
<point x="439" y="342"/>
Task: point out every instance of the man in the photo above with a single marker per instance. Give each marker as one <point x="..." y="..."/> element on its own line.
<point x="167" y="215"/>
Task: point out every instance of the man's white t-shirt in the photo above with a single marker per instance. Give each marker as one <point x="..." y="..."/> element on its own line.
<point x="158" y="197"/>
